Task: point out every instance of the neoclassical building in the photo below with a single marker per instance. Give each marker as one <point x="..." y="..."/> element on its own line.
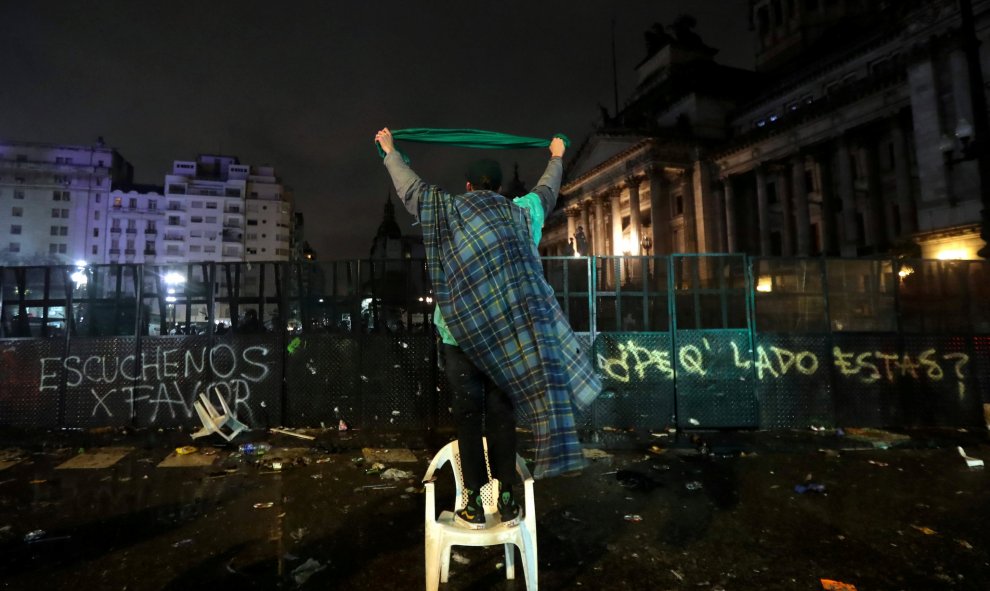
<point x="850" y="139"/>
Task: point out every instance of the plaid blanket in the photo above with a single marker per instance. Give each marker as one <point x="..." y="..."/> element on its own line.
<point x="489" y="285"/>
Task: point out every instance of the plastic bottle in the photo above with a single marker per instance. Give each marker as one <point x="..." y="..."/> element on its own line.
<point x="251" y="449"/>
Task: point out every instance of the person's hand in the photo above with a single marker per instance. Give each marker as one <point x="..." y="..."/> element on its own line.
<point x="384" y="139"/>
<point x="556" y="148"/>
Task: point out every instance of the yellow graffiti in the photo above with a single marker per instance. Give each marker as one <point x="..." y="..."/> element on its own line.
<point x="867" y="366"/>
<point x="634" y="361"/>
<point x="634" y="358"/>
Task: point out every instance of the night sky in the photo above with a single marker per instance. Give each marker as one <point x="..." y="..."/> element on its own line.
<point x="304" y="85"/>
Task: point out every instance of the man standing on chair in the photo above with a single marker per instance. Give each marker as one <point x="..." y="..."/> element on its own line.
<point x="506" y="344"/>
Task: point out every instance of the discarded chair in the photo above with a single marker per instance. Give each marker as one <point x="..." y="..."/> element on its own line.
<point x="442" y="532"/>
<point x="213" y="421"/>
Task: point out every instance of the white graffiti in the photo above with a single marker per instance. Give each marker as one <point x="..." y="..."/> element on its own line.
<point x="162" y="380"/>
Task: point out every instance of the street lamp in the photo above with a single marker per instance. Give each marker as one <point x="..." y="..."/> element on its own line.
<point x="172" y="279"/>
<point x="647" y="244"/>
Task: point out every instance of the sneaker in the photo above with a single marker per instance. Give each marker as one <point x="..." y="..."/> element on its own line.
<point x="472" y="516"/>
<point x="508" y="509"/>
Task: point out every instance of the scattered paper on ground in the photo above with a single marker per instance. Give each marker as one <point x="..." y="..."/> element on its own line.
<point x="830" y="585"/>
<point x="10" y="457"/>
<point x="596" y="454"/>
<point x="96" y="458"/>
<point x="192" y="460"/>
<point x="877" y="437"/>
<point x="399" y="454"/>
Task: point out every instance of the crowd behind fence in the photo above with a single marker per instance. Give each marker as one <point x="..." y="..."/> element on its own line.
<point x="703" y="341"/>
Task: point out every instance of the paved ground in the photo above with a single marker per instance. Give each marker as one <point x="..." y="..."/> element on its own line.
<point x="715" y="512"/>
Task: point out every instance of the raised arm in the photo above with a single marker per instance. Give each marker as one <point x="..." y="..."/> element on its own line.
<point x="408" y="186"/>
<point x="548" y="187"/>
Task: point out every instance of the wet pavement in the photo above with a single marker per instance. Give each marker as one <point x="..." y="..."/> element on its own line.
<point x="705" y="511"/>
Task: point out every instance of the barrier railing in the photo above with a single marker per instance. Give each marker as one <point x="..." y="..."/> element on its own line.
<point x="693" y="341"/>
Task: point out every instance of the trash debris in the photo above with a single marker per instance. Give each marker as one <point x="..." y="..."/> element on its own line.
<point x="694" y="422"/>
<point x="459" y="558"/>
<point x="342" y="426"/>
<point x="962" y="543"/>
<point x="184" y="542"/>
<point x="267" y="505"/>
<point x="34" y="536"/>
<point x="316" y="476"/>
<point x="635" y="480"/>
<point x="693" y="485"/>
<point x="374" y="487"/>
<point x="375" y="468"/>
<point x="655" y="450"/>
<point x="971" y="462"/>
<point x="254" y="449"/>
<point x="679" y="576"/>
<point x="299" y="534"/>
<point x="879" y="464"/>
<point x="596" y="454"/>
<point x="632" y="517"/>
<point x="396" y="474"/>
<point x="304" y="571"/>
<point x="830" y="585"/>
<point x="293" y="345"/>
<point x="6" y="532"/>
<point x="814" y="487"/>
<point x="186" y="450"/>
<point x="878" y="438"/>
<point x="292" y="434"/>
<point x="925" y="530"/>
<point x="41" y="481"/>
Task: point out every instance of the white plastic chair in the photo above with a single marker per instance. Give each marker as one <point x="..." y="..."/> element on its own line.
<point x="213" y="421"/>
<point x="442" y="532"/>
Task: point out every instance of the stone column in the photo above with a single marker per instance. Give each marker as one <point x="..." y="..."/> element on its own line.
<point x="717" y="241"/>
<point x="783" y="181"/>
<point x="731" y="238"/>
<point x="636" y="230"/>
<point x="847" y="193"/>
<point x="659" y="210"/>
<point x="615" y="207"/>
<point x="688" y="196"/>
<point x="876" y="227"/>
<point x="599" y="237"/>
<point x="826" y="191"/>
<point x="586" y="226"/>
<point x="902" y="174"/>
<point x="572" y="216"/>
<point x="802" y="216"/>
<point x="763" y="210"/>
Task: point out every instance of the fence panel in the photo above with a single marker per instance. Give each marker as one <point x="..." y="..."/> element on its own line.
<point x="637" y="380"/>
<point x="716" y="385"/>
<point x="31" y="382"/>
<point x="794" y="380"/>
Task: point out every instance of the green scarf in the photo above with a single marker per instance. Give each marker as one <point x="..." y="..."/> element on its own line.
<point x="469" y="138"/>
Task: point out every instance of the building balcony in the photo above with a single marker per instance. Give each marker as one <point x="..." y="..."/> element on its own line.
<point x="132" y="230"/>
<point x="130" y="251"/>
<point x="114" y="251"/>
<point x="231" y="238"/>
<point x="149" y="253"/>
<point x="174" y="238"/>
<point x="229" y="224"/>
<point x="115" y="230"/>
<point x="150" y="231"/>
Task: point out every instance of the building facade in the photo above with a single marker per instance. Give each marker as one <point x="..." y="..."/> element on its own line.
<point x="46" y="193"/>
<point x="210" y="209"/>
<point x="849" y="139"/>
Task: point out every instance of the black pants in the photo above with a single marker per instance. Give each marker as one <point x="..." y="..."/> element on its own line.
<point x="481" y="409"/>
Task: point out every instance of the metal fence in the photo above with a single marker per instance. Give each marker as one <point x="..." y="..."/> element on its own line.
<point x="692" y="341"/>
